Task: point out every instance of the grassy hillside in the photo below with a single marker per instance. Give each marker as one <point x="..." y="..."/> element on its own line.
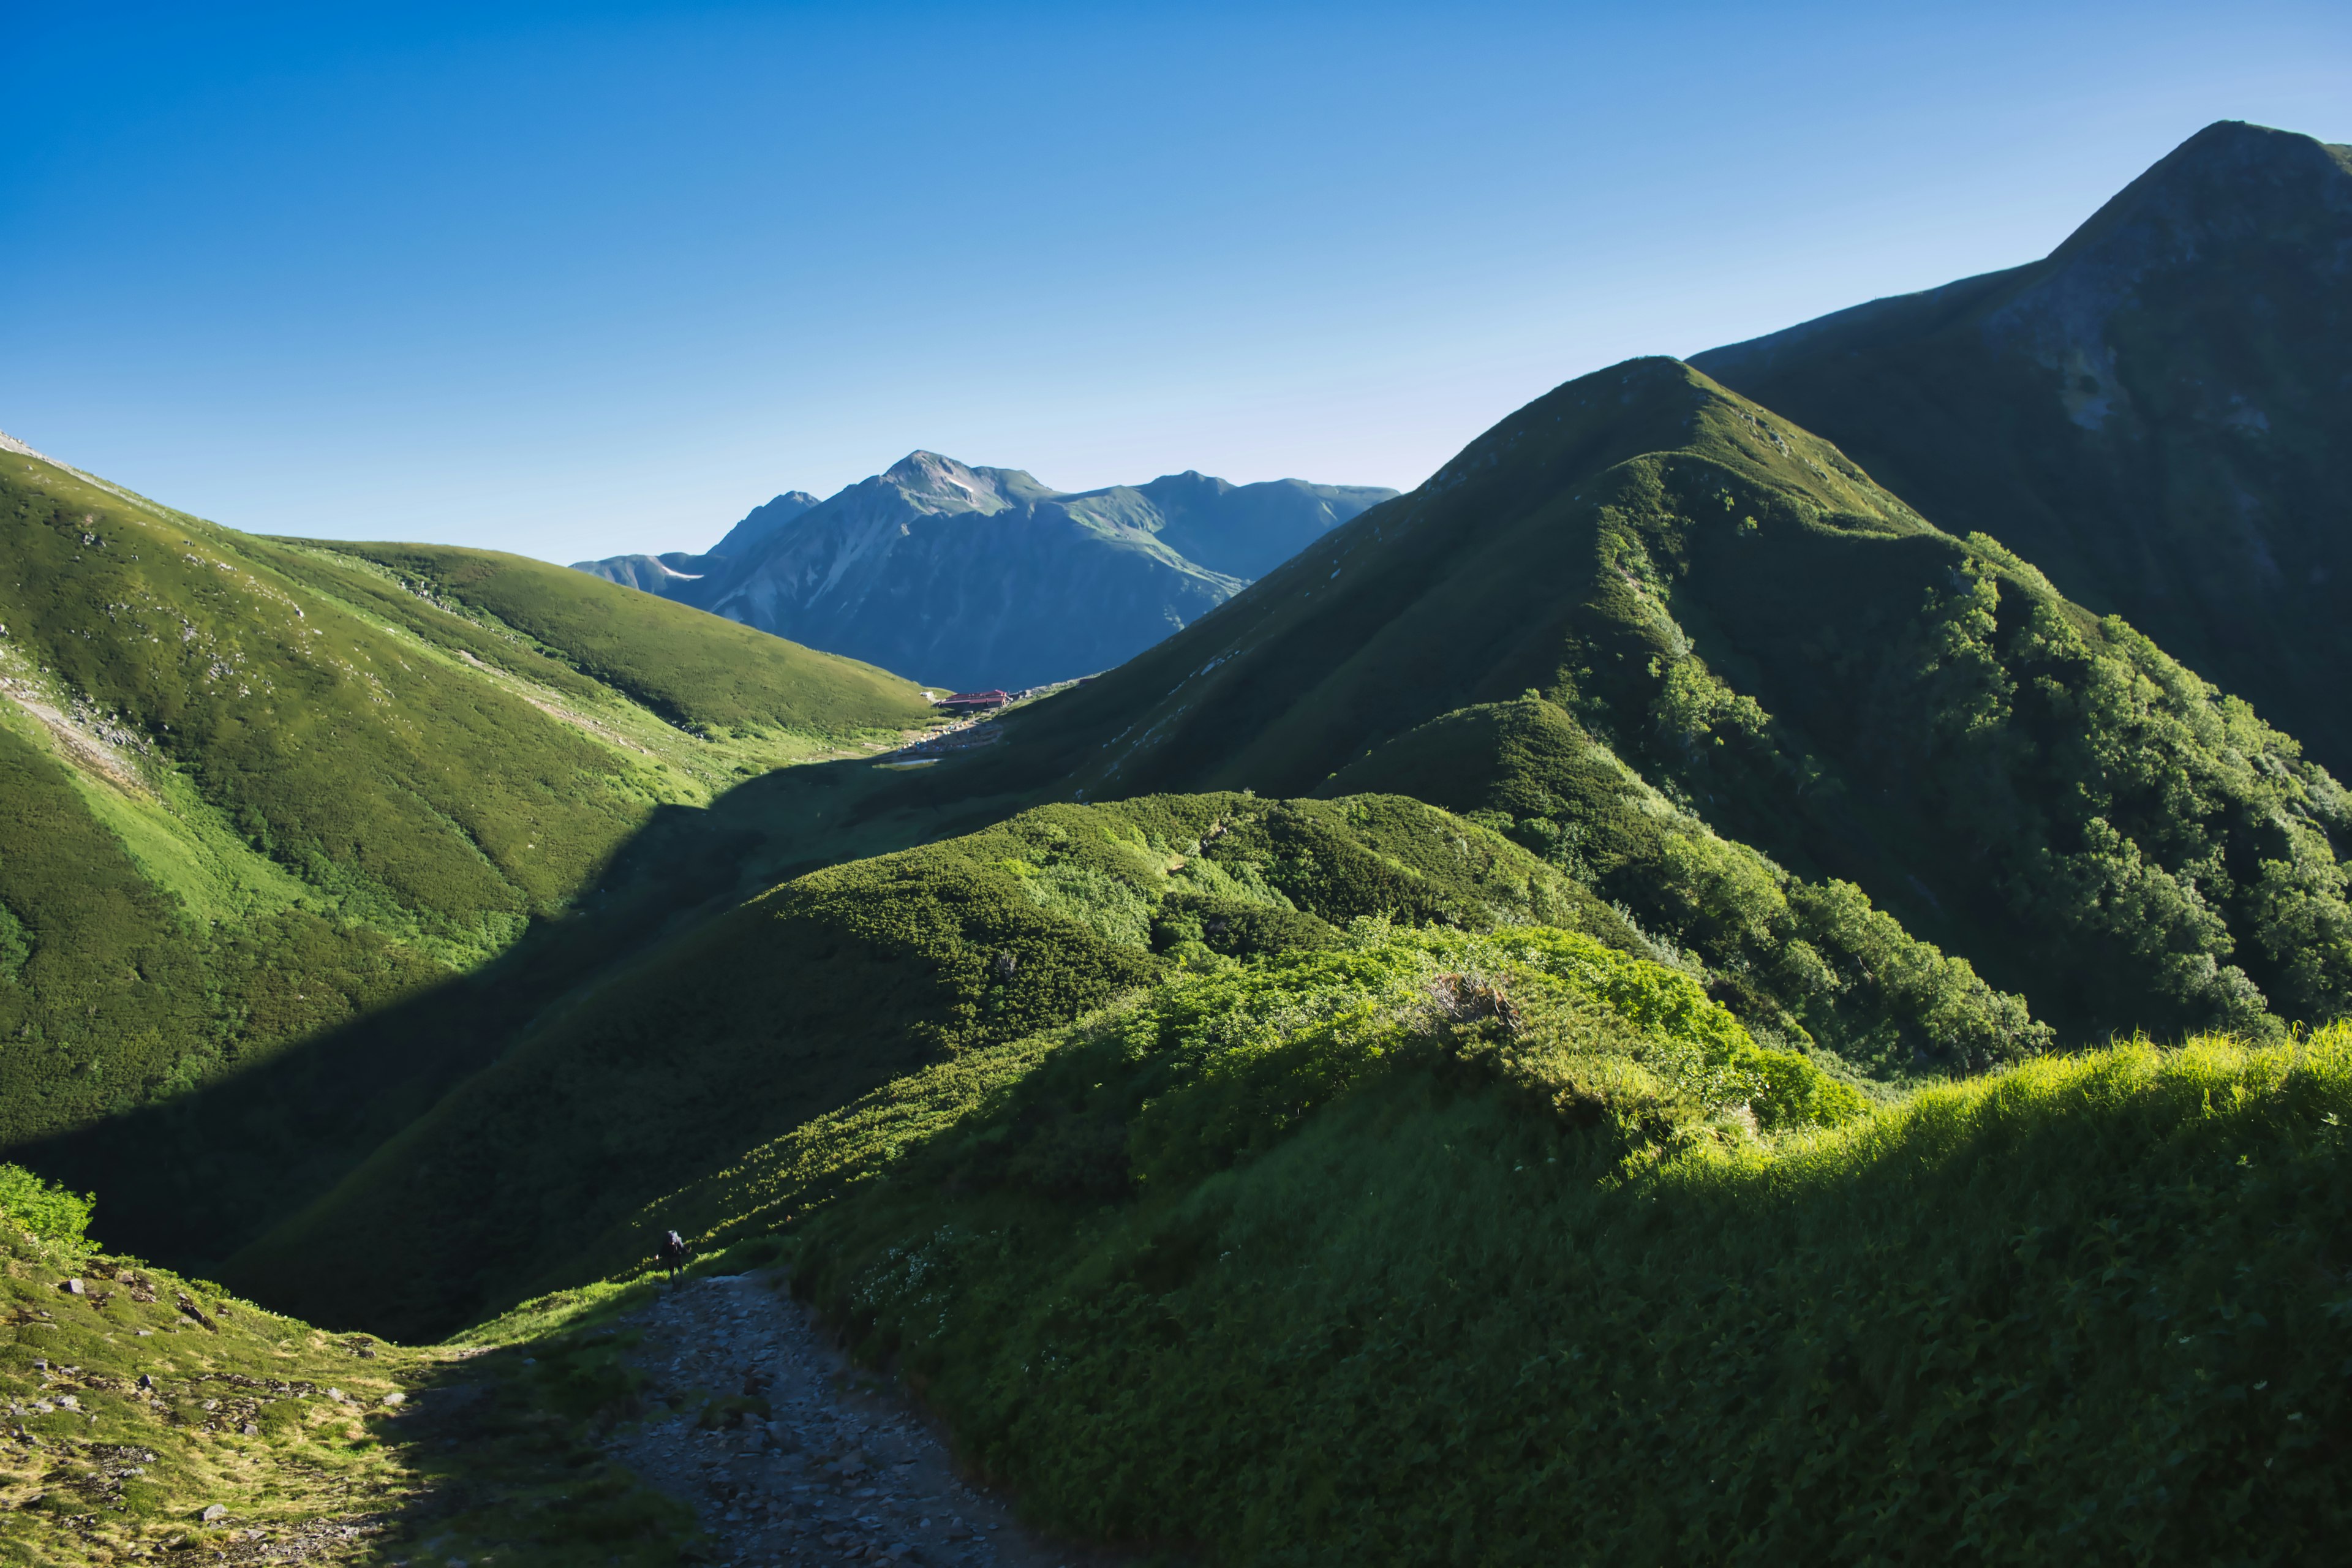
<point x="142" y="1401"/>
<point x="1793" y="654"/>
<point x="699" y="672"/>
<point x="2153" y="414"/>
<point x="537" y="1171"/>
<point x="256" y="795"/>
<point x="1337" y="1259"/>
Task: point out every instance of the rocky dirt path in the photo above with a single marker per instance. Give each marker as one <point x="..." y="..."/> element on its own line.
<point x="843" y="1469"/>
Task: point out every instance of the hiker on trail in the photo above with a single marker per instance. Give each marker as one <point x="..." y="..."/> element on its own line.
<point x="673" y="1251"/>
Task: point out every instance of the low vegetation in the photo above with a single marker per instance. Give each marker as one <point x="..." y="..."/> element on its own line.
<point x="1464" y="1250"/>
<point x="540" y="1171"/>
<point x="1662" y="1074"/>
<point x="146" y="1416"/>
<point x="701" y="673"/>
<point x="1811" y="962"/>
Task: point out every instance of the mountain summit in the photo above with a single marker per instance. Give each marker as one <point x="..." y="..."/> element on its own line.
<point x="2154" y="412"/>
<point x="985" y="576"/>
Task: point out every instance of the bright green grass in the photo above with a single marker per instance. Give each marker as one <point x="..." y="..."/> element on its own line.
<point x="1286" y="1264"/>
<point x="1806" y="962"/>
<point x="694" y="669"/>
<point x="261" y="805"/>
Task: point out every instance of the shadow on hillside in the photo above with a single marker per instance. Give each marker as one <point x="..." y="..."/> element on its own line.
<point x="189" y="1182"/>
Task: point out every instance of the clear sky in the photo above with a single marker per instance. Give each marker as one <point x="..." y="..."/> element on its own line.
<point x="576" y="280"/>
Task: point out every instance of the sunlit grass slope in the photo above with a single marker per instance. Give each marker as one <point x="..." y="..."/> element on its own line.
<point x="1792" y="655"/>
<point x="1796" y="960"/>
<point x="1334" y="1258"/>
<point x="697" y="671"/>
<point x="252" y="794"/>
<point x="142" y="1400"/>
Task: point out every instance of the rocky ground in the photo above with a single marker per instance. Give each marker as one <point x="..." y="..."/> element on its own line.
<point x="841" y="1470"/>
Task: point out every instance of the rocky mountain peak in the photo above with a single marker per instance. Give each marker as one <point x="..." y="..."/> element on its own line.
<point x="932" y="483"/>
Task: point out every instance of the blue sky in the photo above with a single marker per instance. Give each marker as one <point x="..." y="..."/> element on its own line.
<point x="574" y="280"/>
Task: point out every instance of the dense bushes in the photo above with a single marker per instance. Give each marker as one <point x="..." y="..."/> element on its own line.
<point x="2088" y="820"/>
<point x="1789" y="653"/>
<point x="1792" y="958"/>
<point x="43" y="1209"/>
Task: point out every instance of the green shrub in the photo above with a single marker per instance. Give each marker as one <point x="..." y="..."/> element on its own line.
<point x="47" y="1209"/>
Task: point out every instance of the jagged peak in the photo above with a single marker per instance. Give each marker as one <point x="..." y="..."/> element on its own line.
<point x="934" y="480"/>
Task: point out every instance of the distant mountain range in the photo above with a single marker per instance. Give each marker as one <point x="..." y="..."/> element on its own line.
<point x="984" y="577"/>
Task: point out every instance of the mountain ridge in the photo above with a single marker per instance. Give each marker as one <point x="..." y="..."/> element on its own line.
<point x="2153" y="412"/>
<point x="983" y="576"/>
<point x="1785" y="646"/>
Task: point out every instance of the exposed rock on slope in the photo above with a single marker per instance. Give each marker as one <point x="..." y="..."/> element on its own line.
<point x="981" y="575"/>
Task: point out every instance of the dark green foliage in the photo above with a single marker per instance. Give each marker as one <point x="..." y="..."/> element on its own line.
<point x="1789" y="653"/>
<point x="1788" y="956"/>
<point x="2154" y="414"/>
<point x="1343" y="1304"/>
<point x="2092" y="823"/>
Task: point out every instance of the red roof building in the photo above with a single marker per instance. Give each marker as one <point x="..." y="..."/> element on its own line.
<point x="974" y="701"/>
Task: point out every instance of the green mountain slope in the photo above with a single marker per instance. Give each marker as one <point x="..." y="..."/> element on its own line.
<point x="1794" y="959"/>
<point x="535" y="1172"/>
<point x="1335" y="1261"/>
<point x="1795" y="655"/>
<point x="260" y="792"/>
<point x="2154" y="412"/>
<point x="708" y="676"/>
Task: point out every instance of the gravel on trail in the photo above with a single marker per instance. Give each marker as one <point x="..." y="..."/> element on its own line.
<point x="843" y="1469"/>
